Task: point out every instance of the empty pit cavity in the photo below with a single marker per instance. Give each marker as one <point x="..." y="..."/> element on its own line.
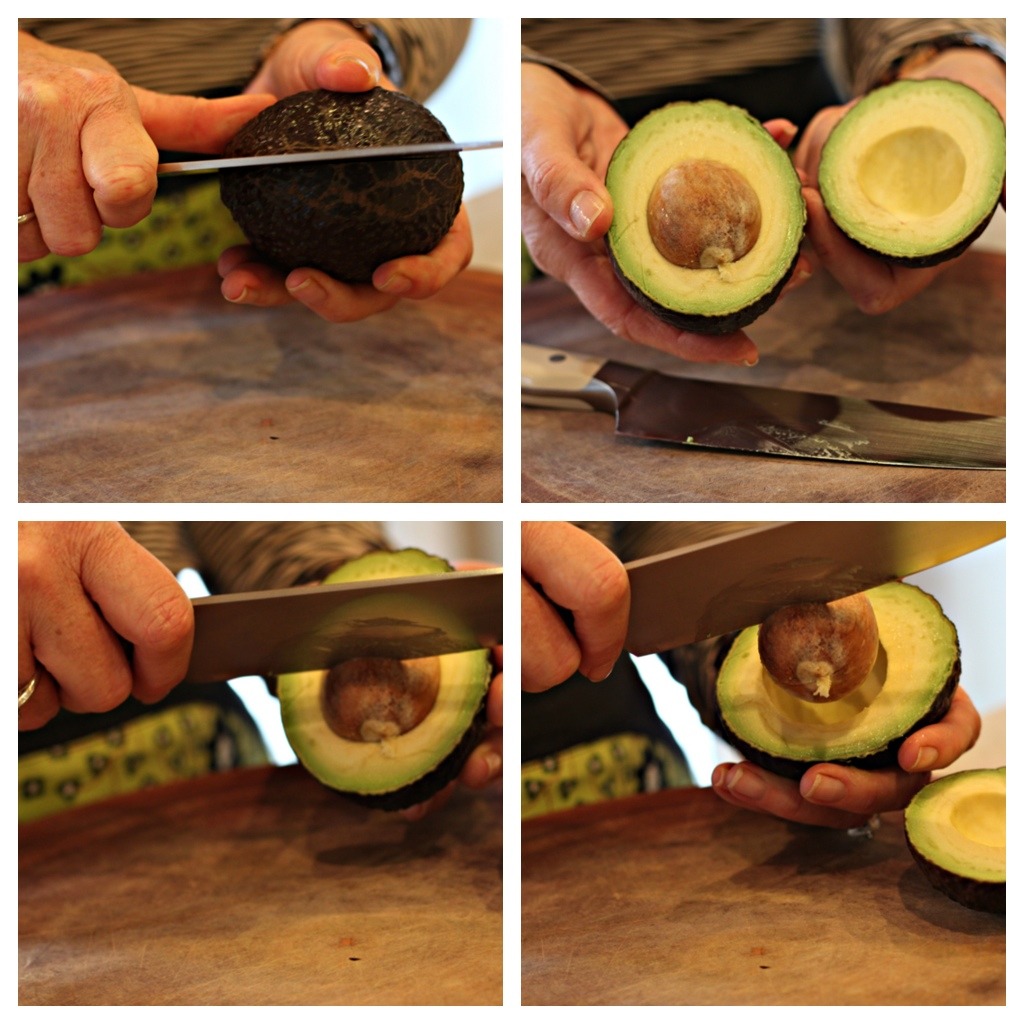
<point x="913" y="174"/>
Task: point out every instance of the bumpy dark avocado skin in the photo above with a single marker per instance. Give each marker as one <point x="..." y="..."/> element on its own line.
<point x="345" y="218"/>
<point x="886" y="757"/>
<point x="434" y="781"/>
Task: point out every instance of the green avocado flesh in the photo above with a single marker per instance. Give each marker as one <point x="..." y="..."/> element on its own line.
<point x="956" y="831"/>
<point x="708" y="216"/>
<point x="375" y="759"/>
<point x="343" y="217"/>
<point x="910" y="685"/>
<point x="914" y="171"/>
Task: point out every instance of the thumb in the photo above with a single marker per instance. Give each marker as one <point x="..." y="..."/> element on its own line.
<point x="563" y="186"/>
<point x="195" y="125"/>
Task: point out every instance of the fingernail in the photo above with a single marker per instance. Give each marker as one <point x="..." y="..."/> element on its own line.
<point x="825" y="790"/>
<point x="926" y="757"/>
<point x="718" y="775"/>
<point x="306" y="288"/>
<point x="585" y="208"/>
<point x="396" y="284"/>
<point x="751" y="362"/>
<point x="240" y="297"/>
<point x="371" y="74"/>
<point x="600" y="673"/>
<point x="493" y="762"/>
<point x="745" y="783"/>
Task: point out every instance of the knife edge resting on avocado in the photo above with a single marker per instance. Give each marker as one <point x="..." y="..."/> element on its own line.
<point x="388" y="733"/>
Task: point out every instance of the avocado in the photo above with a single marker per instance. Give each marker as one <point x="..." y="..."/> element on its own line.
<point x="708" y="216"/>
<point x="910" y="685"/>
<point x="343" y="217"/>
<point x="914" y="171"/>
<point x="387" y="732"/>
<point x="956" y="831"/>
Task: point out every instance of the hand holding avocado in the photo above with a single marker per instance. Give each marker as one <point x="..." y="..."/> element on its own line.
<point x="566" y="570"/>
<point x="317" y="58"/>
<point x="84" y="589"/>
<point x="867" y="687"/>
<point x="569" y="136"/>
<point x="877" y="283"/>
<point x="87" y="145"/>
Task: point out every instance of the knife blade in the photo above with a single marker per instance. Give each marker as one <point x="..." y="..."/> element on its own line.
<point x="762" y="420"/>
<point x="361" y="153"/>
<point x="730" y="582"/>
<point x="295" y="629"/>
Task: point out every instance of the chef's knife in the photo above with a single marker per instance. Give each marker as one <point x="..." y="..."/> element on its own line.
<point x="361" y="153"/>
<point x="729" y="582"/>
<point x="270" y="632"/>
<point x="762" y="420"/>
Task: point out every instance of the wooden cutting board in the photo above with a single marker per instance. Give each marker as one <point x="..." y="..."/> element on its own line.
<point x="946" y="348"/>
<point x="154" y="388"/>
<point x="680" y="898"/>
<point x="261" y="887"/>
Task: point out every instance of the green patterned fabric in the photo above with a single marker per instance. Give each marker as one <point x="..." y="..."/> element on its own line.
<point x="187" y="227"/>
<point x="180" y="742"/>
<point x="610" y="767"/>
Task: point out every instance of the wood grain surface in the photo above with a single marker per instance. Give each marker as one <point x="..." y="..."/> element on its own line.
<point x="680" y="898"/>
<point x="261" y="887"/>
<point x="945" y="348"/>
<point x="154" y="388"/>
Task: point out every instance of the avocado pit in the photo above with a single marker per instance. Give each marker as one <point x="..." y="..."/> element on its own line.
<point x="368" y="700"/>
<point x="820" y="651"/>
<point x="702" y="214"/>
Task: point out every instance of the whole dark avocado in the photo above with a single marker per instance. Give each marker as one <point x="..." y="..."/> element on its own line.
<point x="347" y="217"/>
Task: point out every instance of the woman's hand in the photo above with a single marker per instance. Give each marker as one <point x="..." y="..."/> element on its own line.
<point x="330" y="54"/>
<point x="569" y="135"/>
<point x="88" y="141"/>
<point x="565" y="570"/>
<point x="836" y="796"/>
<point x="84" y="591"/>
<point x="875" y="285"/>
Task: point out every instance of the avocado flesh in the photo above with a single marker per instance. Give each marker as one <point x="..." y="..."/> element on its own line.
<point x="914" y="171"/>
<point x="956" y="831"/>
<point x="911" y="685"/>
<point x="714" y="300"/>
<point x="396" y="771"/>
<point x="346" y="217"/>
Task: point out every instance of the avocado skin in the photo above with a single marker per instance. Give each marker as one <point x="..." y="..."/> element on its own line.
<point x="885" y="757"/>
<point x="726" y="323"/>
<point x="969" y="892"/>
<point x="932" y="259"/>
<point x="348" y="217"/>
<point x="434" y="781"/>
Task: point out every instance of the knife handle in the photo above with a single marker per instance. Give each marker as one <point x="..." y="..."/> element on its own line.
<point x="554" y="379"/>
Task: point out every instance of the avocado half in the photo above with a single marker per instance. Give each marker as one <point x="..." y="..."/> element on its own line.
<point x="914" y="171"/>
<point x="956" y="831"/>
<point x="343" y="217"/>
<point x="708" y="216"/>
<point x="910" y="685"/>
<point x="350" y="726"/>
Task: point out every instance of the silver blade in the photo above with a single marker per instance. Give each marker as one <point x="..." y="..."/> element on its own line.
<point x="717" y="586"/>
<point x="763" y="420"/>
<point x="364" y="153"/>
<point x="301" y="628"/>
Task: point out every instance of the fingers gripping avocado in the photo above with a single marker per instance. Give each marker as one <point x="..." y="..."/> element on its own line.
<point x="708" y="216"/>
<point x="388" y="733"/>
<point x="343" y="217"/>
<point x="910" y="683"/>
